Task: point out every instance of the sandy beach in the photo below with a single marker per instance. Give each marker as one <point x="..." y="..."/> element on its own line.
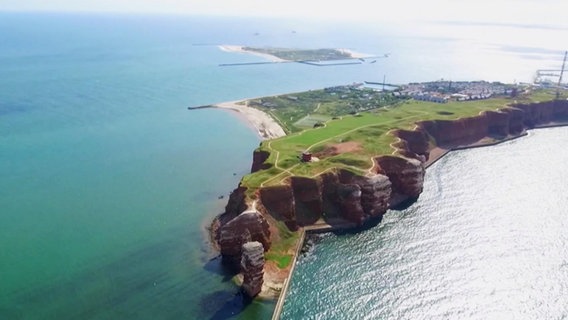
<point x="264" y="124"/>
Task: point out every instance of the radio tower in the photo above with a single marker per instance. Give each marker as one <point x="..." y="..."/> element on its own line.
<point x="561" y="74"/>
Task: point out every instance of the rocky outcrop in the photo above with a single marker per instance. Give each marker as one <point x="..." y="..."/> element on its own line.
<point x="279" y="202"/>
<point x="497" y="123"/>
<point x="359" y="198"/>
<point x="375" y="195"/>
<point x="516" y="116"/>
<point x="561" y="110"/>
<point x="406" y="175"/>
<point x="453" y="133"/>
<point x="536" y="113"/>
<point x="252" y="267"/>
<point x="329" y="183"/>
<point x="235" y="205"/>
<point x="308" y="199"/>
<point x="465" y="131"/>
<point x="412" y="143"/>
<point x="349" y="196"/>
<point x="339" y="194"/>
<point x="258" y="159"/>
<point x="246" y="227"/>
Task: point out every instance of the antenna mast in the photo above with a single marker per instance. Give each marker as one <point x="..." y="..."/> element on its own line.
<point x="561" y="74"/>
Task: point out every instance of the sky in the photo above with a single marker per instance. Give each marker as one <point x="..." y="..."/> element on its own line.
<point x="538" y="12"/>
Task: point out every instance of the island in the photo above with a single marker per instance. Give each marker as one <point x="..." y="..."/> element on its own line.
<point x="347" y="154"/>
<point x="315" y="57"/>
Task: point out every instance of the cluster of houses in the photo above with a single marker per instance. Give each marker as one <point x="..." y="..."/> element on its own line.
<point x="440" y="91"/>
<point x="444" y="91"/>
<point x="356" y="91"/>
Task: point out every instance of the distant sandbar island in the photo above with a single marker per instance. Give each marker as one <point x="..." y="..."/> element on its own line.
<point x="296" y="55"/>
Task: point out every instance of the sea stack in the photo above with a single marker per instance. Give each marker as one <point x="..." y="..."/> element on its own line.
<point x="252" y="267"/>
<point x="246" y="227"/>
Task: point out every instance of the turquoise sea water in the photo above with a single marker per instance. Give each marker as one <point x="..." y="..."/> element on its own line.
<point x="107" y="181"/>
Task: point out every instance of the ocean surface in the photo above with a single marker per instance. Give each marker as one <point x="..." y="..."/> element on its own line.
<point x="486" y="240"/>
<point x="107" y="181"/>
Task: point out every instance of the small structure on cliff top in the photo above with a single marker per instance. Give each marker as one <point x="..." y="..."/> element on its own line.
<point x="306" y="156"/>
<point x="252" y="267"/>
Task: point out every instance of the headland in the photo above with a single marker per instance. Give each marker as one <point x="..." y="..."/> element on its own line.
<point x="351" y="153"/>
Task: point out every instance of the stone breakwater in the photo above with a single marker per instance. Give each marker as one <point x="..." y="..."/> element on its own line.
<point x="339" y="196"/>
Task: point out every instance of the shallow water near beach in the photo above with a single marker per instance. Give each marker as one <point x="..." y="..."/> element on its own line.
<point x="107" y="181"/>
<point x="485" y="240"/>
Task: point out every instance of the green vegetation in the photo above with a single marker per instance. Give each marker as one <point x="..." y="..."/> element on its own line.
<point x="303" y="54"/>
<point x="545" y="95"/>
<point x="300" y="111"/>
<point x="279" y="250"/>
<point x="365" y="130"/>
<point x="282" y="260"/>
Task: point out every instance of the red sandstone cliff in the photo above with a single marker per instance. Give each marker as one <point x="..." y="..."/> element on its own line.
<point x="246" y="227"/>
<point x="308" y="199"/>
<point x="412" y="143"/>
<point x="341" y="194"/>
<point x="452" y="133"/>
<point x="497" y="123"/>
<point x="279" y="202"/>
<point x="331" y="195"/>
<point x="406" y="175"/>
<point x="258" y="159"/>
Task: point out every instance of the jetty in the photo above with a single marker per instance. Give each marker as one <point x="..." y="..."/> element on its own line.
<point x="199" y="107"/>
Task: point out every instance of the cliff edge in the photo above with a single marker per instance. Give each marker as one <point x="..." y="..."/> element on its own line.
<point x="340" y="197"/>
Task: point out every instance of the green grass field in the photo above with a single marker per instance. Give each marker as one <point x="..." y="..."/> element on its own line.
<point x="368" y="129"/>
<point x="302" y="54"/>
<point x="299" y="111"/>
